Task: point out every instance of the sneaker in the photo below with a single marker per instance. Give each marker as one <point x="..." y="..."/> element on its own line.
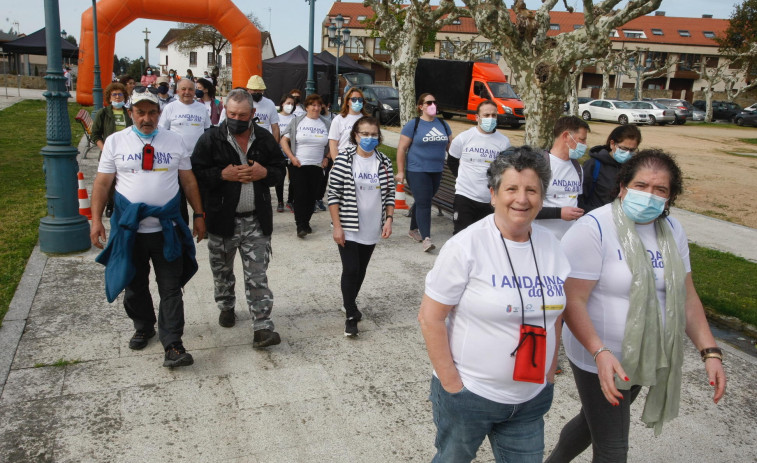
<point x="289" y="206"/>
<point x="320" y="205"/>
<point x="226" y="318"/>
<point x="415" y="234"/>
<point x="558" y="369"/>
<point x="280" y="207"/>
<point x="139" y="340"/>
<point x="176" y="356"/>
<point x="315" y="208"/>
<point x="428" y="245"/>
<point x="350" y="327"/>
<point x="265" y="338"/>
<point x="308" y="229"/>
<point x="359" y="315"/>
<point x="301" y="232"/>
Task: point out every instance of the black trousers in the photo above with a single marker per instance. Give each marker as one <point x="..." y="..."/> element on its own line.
<point x="325" y="182"/>
<point x="137" y="299"/>
<point x="355" y="258"/>
<point x="306" y="181"/>
<point x="467" y="212"/>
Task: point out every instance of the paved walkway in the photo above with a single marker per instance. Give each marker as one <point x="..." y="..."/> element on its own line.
<point x="316" y="397"/>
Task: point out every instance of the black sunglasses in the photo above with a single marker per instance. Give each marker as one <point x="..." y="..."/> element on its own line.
<point x="356" y="99"/>
<point x="141" y="89"/>
<point x="148" y="157"/>
<point x="429" y="103"/>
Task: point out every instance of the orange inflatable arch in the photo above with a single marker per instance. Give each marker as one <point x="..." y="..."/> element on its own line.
<point x="114" y="15"/>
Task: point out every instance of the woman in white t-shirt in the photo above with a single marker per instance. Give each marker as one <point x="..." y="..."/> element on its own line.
<point x="361" y="203"/>
<point x="491" y="318"/>
<point x="305" y="143"/>
<point x="631" y="299"/>
<point x="286" y="115"/>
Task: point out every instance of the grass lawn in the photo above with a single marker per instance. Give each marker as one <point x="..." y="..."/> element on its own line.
<point x="752" y="141"/>
<point x="725" y="283"/>
<point x="22" y="189"/>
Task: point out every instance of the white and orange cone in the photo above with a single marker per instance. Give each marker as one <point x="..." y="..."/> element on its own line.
<point x="84" y="206"/>
<point x="399" y="197"/>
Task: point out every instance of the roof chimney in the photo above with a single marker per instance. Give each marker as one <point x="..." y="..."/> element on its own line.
<point x="659" y="13"/>
<point x="707" y="16"/>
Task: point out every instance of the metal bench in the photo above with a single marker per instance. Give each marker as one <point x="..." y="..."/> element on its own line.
<point x="85" y="120"/>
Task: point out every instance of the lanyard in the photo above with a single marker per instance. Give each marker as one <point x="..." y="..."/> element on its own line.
<point x="517" y="283"/>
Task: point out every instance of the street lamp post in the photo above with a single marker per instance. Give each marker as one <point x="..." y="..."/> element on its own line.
<point x="63" y="230"/>
<point x="338" y="37"/>
<point x="310" y="83"/>
<point x="639" y="69"/>
<point x="97" y="87"/>
<point x="141" y="65"/>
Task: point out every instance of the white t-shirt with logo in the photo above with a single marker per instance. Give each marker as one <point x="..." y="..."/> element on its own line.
<point x="266" y="114"/>
<point x="312" y="138"/>
<point x="340" y="130"/>
<point x="563" y="191"/>
<point x="595" y="254"/>
<point x="122" y="155"/>
<point x="188" y="120"/>
<point x="476" y="151"/>
<point x="365" y="171"/>
<point x="472" y="273"/>
<point x="284" y="120"/>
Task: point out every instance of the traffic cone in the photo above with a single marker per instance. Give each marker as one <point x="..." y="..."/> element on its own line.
<point x="84" y="207"/>
<point x="399" y="197"/>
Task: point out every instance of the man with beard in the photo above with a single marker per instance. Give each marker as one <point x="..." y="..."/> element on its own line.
<point x="148" y="165"/>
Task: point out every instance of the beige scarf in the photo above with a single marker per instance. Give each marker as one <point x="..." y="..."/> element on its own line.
<point x="653" y="348"/>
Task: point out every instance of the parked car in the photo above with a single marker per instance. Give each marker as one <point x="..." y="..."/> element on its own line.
<point x="721" y="110"/>
<point x="581" y="100"/>
<point x="612" y="110"/>
<point x="751" y="108"/>
<point x="746" y="118"/>
<point x="682" y="108"/>
<point x="658" y="114"/>
<point x="697" y="115"/>
<point x="382" y="102"/>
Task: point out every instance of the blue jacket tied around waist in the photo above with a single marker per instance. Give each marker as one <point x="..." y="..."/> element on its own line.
<point x="124" y="223"/>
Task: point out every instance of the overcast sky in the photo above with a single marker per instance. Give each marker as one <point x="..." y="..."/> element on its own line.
<point x="287" y="20"/>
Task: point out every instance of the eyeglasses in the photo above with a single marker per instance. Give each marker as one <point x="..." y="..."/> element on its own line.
<point x="148" y="156"/>
<point x="117" y="95"/>
<point x="630" y="150"/>
<point x="429" y="103"/>
<point x="141" y="89"/>
<point x="356" y="99"/>
<point x="367" y="134"/>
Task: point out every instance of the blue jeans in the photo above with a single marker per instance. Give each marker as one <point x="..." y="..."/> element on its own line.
<point x="424" y="186"/>
<point x="463" y="419"/>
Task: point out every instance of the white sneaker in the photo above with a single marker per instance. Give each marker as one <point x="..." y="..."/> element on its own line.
<point x="428" y="245"/>
<point x="416" y="235"/>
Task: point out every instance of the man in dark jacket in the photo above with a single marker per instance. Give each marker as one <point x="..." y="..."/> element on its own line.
<point x="235" y="164"/>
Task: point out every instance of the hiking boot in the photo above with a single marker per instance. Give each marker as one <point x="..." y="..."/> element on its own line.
<point x="280" y="207"/>
<point x="301" y="232"/>
<point x="289" y="206"/>
<point x="226" y="318"/>
<point x="359" y="315"/>
<point x="428" y="245"/>
<point x="350" y="327"/>
<point x="320" y="205"/>
<point x="265" y="338"/>
<point x="415" y="234"/>
<point x="177" y="356"/>
<point x="139" y="340"/>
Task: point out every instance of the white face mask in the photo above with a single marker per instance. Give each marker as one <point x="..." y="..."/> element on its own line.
<point x="288" y="108"/>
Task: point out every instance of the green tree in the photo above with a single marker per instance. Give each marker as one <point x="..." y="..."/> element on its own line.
<point x="739" y="43"/>
<point x="197" y="36"/>
<point x="72" y="40"/>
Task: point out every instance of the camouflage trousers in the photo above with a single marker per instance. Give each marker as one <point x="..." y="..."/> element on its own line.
<point x="255" y="250"/>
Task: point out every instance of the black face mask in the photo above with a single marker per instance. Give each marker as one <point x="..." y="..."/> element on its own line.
<point x="199" y="93"/>
<point x="256" y="97"/>
<point x="237" y="126"/>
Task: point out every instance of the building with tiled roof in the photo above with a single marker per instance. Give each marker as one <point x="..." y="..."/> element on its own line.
<point x="686" y="41"/>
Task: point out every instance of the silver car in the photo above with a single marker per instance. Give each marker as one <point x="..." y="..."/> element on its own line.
<point x="697" y="115"/>
<point x="682" y="108"/>
<point x="612" y="110"/>
<point x="658" y="113"/>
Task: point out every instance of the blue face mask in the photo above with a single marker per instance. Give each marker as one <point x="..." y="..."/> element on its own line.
<point x="356" y="106"/>
<point x="642" y="207"/>
<point x="621" y="155"/>
<point x="117" y="104"/>
<point x="144" y="135"/>
<point x="578" y="151"/>
<point x="368" y="144"/>
<point x="488" y="124"/>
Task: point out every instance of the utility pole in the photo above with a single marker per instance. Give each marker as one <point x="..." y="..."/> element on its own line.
<point x="147" y="48"/>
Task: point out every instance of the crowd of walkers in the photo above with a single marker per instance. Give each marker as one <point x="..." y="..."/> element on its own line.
<point x="545" y="250"/>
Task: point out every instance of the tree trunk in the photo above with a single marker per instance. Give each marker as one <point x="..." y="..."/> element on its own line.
<point x="605" y="83"/>
<point x="544" y="101"/>
<point x="708" y="102"/>
<point x="573" y="99"/>
<point x="404" y="65"/>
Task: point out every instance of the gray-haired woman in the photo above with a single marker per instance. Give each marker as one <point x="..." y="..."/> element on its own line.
<point x="491" y="318"/>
